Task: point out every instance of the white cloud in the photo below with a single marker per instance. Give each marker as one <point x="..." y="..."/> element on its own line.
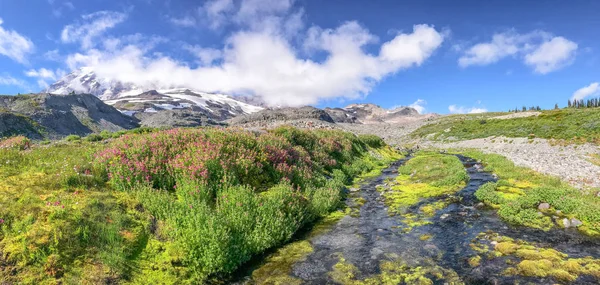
<point x="52" y="55"/>
<point x="41" y="73"/>
<point x="465" y="110"/>
<point x="538" y="49"/>
<point x="216" y="12"/>
<point x="552" y="55"/>
<point x="502" y="45"/>
<point x="9" y="80"/>
<point x="14" y="45"/>
<point x="419" y="105"/>
<point x="90" y="27"/>
<point x="44" y="75"/>
<point x="187" y="21"/>
<point x="265" y="64"/>
<point x="590" y="90"/>
<point x="206" y="56"/>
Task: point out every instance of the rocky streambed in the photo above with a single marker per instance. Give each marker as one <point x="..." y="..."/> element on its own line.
<point x="462" y="242"/>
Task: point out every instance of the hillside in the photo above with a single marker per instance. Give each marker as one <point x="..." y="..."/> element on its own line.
<point x="56" y="116"/>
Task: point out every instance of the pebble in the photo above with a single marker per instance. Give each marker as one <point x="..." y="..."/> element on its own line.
<point x="444" y="216"/>
<point x="569" y="163"/>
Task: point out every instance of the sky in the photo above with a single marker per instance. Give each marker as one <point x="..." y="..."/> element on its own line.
<point x="437" y="56"/>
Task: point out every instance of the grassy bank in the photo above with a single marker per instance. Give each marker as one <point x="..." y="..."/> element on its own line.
<point x="519" y="191"/>
<point x="576" y="125"/>
<point x="169" y="207"/>
<point x="426" y="175"/>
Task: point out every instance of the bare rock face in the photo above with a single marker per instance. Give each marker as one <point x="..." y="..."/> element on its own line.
<point x="56" y="116"/>
<point x="283" y="114"/>
<point x="373" y="114"/>
<point x="175" y="119"/>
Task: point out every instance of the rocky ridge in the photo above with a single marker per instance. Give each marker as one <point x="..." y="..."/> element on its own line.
<point x="56" y="116"/>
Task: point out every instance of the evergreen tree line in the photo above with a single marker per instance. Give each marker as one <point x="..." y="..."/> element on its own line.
<point x="525" y="109"/>
<point x="590" y="103"/>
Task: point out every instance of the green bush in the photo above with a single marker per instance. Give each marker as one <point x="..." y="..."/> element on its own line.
<point x="94" y="138"/>
<point x="72" y="138"/>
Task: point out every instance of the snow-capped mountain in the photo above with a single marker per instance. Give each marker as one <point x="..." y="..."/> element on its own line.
<point x="130" y="98"/>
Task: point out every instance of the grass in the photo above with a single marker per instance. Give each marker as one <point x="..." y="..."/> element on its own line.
<point x="424" y="176"/>
<point x="142" y="209"/>
<point x="575" y="125"/>
<point x="520" y="190"/>
<point x="427" y="175"/>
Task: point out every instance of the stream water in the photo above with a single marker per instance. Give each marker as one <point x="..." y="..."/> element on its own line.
<point x="440" y="249"/>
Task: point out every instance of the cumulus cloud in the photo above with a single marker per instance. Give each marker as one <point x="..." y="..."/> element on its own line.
<point x="465" y="110"/>
<point x="260" y="59"/>
<point x="540" y="50"/>
<point x="44" y="75"/>
<point x="205" y="56"/>
<point x="90" y="27"/>
<point x="590" y="90"/>
<point x="552" y="55"/>
<point x="14" y="45"/>
<point x="216" y="12"/>
<point x="419" y="105"/>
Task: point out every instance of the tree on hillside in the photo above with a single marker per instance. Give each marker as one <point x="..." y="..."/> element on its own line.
<point x="556" y="106"/>
<point x="569" y="103"/>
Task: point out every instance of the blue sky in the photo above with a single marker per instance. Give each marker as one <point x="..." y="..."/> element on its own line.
<point x="445" y="56"/>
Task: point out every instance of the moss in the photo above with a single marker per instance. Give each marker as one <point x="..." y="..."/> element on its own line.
<point x="475" y="261"/>
<point x="534" y="261"/>
<point x="535" y="268"/>
<point x="424" y="176"/>
<point x="506" y="248"/>
<point x="562" y="275"/>
<point x="425" y="237"/>
<point x="277" y="267"/>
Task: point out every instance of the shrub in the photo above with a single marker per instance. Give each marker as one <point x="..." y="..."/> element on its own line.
<point x="18" y="143"/>
<point x="94" y="138"/>
<point x="73" y="138"/>
<point x="226" y="195"/>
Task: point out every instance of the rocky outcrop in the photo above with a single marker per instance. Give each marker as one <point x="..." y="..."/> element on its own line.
<point x="374" y="114"/>
<point x="56" y="116"/>
<point x="283" y="114"/>
<point x="175" y="119"/>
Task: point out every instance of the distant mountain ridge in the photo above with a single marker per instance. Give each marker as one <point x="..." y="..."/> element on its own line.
<point x="130" y="98"/>
<point x="372" y="114"/>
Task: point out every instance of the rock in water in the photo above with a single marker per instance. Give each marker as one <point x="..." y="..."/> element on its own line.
<point x="566" y="223"/>
<point x="576" y="222"/>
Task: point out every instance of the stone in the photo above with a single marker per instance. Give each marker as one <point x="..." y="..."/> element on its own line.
<point x="495" y="176"/>
<point x="566" y="223"/>
<point x="354" y="189"/>
<point x="544" y="206"/>
<point x="576" y="222"/>
<point x="444" y="216"/>
<point x="480" y="205"/>
<point x="558" y="212"/>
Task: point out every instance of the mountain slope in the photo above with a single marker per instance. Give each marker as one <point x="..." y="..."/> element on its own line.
<point x="130" y="98"/>
<point x="56" y="116"/>
<point x="371" y="113"/>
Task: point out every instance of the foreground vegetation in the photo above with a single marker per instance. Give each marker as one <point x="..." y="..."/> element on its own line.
<point x="181" y="206"/>
<point x="520" y="191"/>
<point x="426" y="175"/>
<point x="578" y="125"/>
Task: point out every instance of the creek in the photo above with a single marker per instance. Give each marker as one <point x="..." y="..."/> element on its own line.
<point x="355" y="248"/>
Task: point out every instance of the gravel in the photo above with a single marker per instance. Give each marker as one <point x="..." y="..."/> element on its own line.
<point x="570" y="163"/>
